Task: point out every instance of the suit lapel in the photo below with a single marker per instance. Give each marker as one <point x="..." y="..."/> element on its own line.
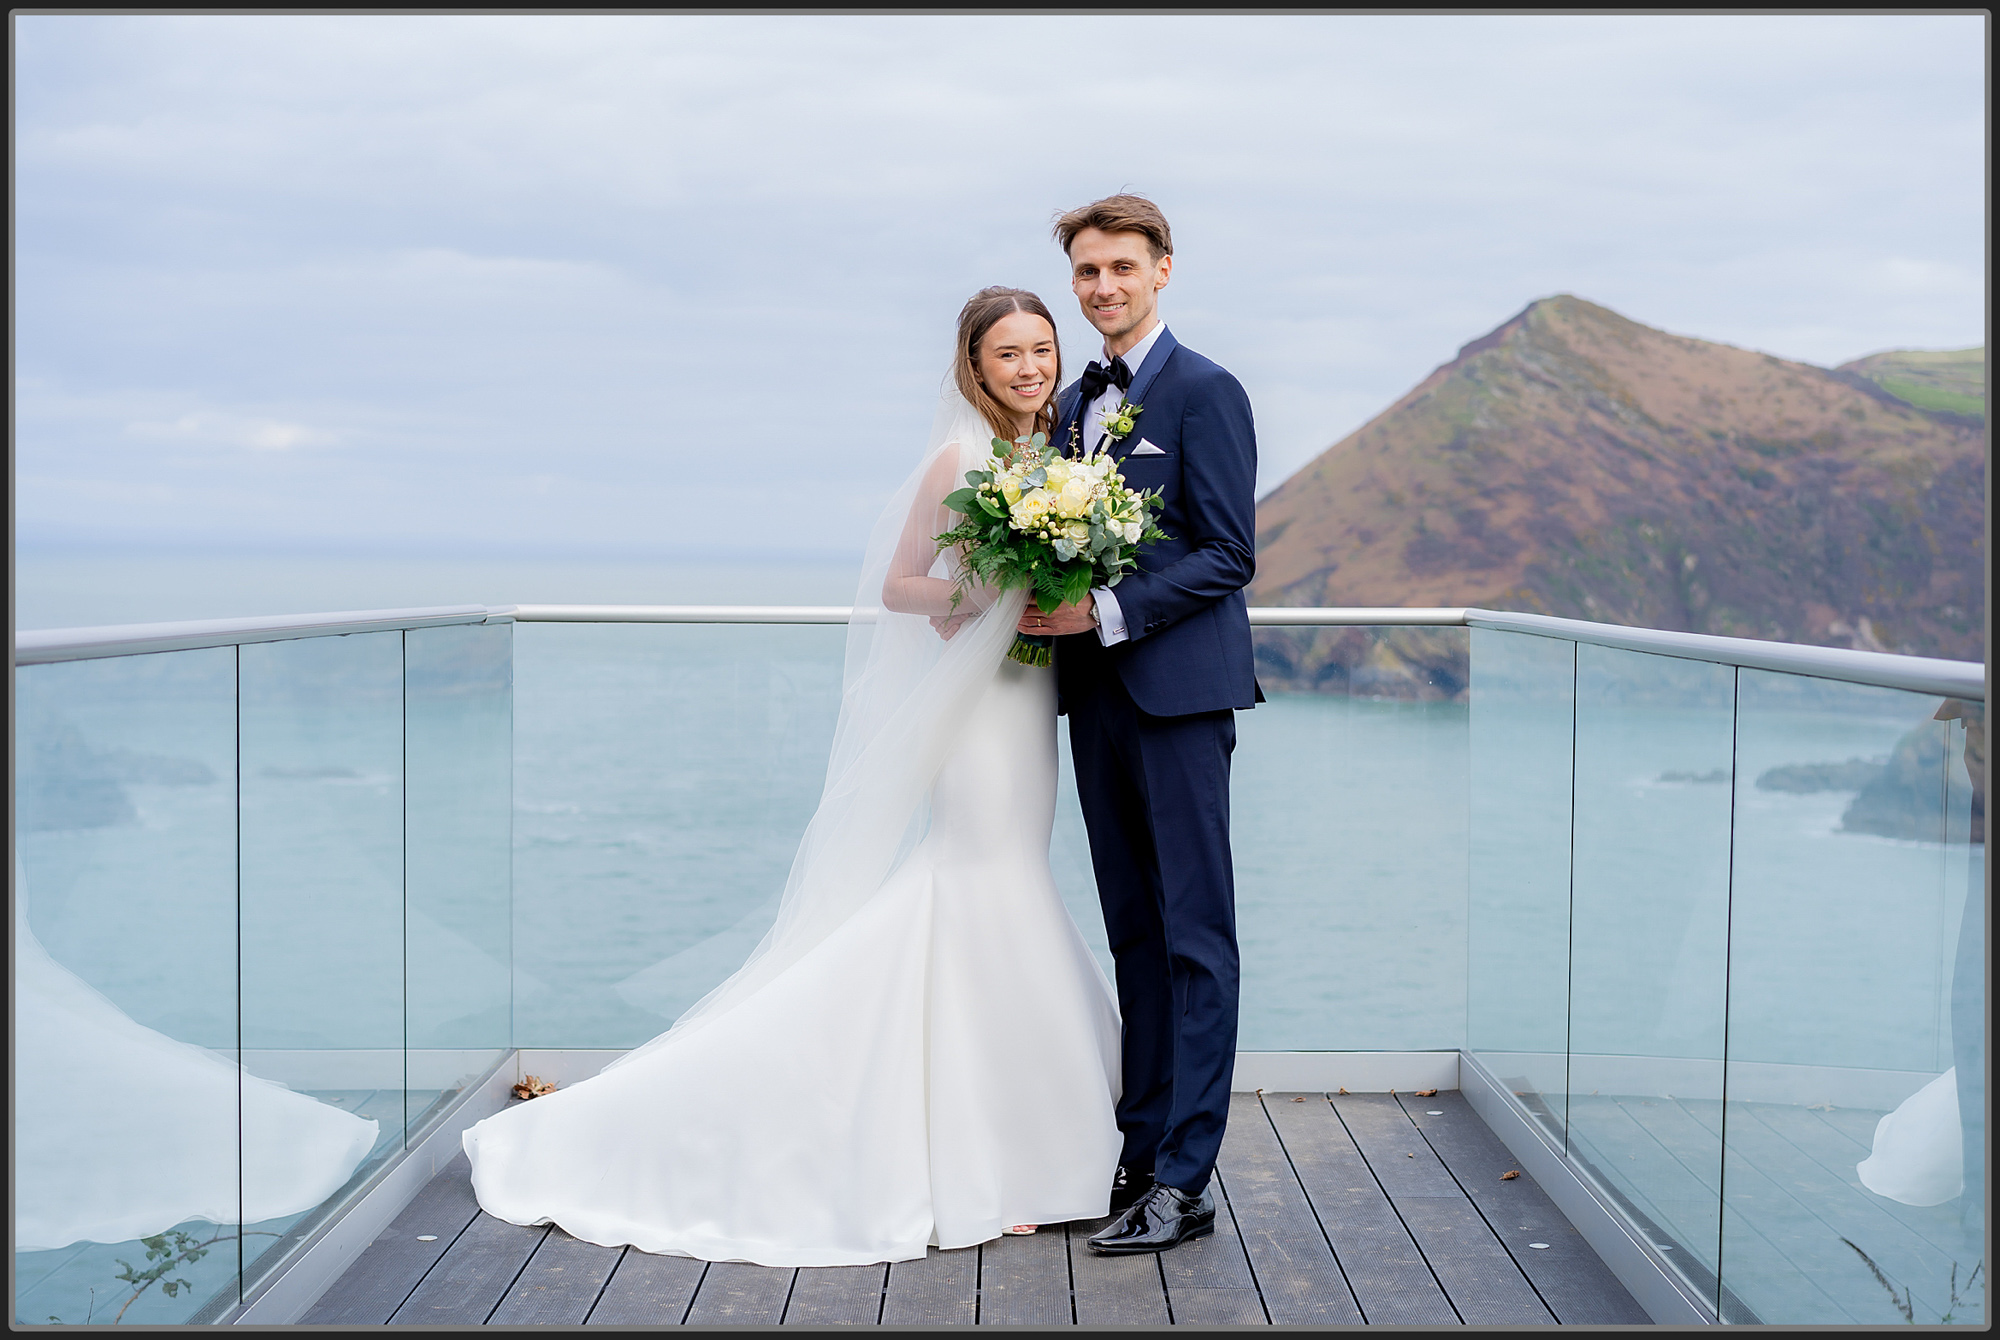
<point x="1156" y="358"/>
<point x="1142" y="382"/>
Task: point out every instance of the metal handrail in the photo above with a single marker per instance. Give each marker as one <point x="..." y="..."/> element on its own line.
<point x="821" y="614"/>
<point x="1881" y="669"/>
<point x="1917" y="674"/>
<point x="40" y="647"/>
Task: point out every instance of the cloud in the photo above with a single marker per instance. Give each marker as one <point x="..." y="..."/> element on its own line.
<point x="232" y="430"/>
<point x="625" y="254"/>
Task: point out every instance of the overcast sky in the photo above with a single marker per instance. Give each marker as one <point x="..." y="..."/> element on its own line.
<point x="652" y="284"/>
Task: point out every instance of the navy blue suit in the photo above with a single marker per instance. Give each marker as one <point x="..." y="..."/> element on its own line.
<point x="1152" y="728"/>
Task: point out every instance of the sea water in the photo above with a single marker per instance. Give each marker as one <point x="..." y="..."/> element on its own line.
<point x="662" y="775"/>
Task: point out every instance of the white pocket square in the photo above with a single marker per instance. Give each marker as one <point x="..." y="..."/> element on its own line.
<point x="1145" y="448"/>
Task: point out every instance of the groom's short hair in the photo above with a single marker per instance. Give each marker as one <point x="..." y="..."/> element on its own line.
<point x="1119" y="214"/>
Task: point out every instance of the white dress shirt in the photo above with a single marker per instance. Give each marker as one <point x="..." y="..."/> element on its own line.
<point x="1111" y="628"/>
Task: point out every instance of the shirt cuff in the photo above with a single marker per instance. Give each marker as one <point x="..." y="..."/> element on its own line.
<point x="1110" y="619"/>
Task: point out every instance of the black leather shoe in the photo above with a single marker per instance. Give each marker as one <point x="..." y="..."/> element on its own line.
<point x="1164" y="1217"/>
<point x="1126" y="1188"/>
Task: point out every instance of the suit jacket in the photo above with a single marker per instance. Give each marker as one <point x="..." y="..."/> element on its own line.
<point x="1188" y="622"/>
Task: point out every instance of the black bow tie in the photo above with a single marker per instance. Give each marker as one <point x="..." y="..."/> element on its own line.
<point x="1096" y="377"/>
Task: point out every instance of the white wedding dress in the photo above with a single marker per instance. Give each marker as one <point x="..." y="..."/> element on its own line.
<point x="922" y="1051"/>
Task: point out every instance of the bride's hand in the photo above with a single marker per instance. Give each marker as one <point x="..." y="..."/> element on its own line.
<point x="947" y="624"/>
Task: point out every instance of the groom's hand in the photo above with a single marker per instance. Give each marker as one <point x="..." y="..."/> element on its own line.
<point x="1061" y="621"/>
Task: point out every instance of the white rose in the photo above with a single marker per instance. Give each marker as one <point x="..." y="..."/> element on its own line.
<point x="1074" y="500"/>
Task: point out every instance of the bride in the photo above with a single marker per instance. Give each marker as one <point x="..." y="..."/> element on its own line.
<point x="921" y="1051"/>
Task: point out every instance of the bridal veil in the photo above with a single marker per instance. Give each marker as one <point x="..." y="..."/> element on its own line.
<point x="904" y="691"/>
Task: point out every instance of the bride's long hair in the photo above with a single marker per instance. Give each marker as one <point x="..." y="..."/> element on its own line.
<point x="979" y="315"/>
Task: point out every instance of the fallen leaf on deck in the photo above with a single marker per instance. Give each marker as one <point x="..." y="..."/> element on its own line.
<point x="534" y="1086"/>
<point x="1343" y="1091"/>
<point x="1510" y="1174"/>
<point x="1427" y="1093"/>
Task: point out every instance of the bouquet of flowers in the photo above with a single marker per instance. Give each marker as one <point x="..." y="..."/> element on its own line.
<point x="1054" y="524"/>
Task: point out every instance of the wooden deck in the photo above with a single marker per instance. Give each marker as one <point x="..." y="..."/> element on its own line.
<point x="1341" y="1209"/>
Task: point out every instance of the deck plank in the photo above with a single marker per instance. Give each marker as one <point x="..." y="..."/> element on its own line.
<point x="560" y="1284"/>
<point x="1114" y="1290"/>
<point x="1568" y="1275"/>
<point x="940" y="1290"/>
<point x="1486" y="1288"/>
<point x="383" y="1277"/>
<point x="1392" y="1283"/>
<point x="1296" y="1272"/>
<point x="648" y="1290"/>
<point x="1484" y="1285"/>
<point x="837" y="1296"/>
<point x="1402" y="1160"/>
<point x="467" y="1284"/>
<point x="736" y="1293"/>
<point x="1024" y="1281"/>
<point x="1209" y="1281"/>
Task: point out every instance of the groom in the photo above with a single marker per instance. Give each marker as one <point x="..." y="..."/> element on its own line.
<point x="1151" y="675"/>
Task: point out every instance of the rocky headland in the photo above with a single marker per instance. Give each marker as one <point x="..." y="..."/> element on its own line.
<point x="1575" y="462"/>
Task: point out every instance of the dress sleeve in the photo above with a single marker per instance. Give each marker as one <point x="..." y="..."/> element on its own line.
<point x="909" y="588"/>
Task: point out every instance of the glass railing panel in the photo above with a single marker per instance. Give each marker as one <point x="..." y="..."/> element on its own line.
<point x="124" y="1082"/>
<point x="322" y="919"/>
<point x="1348" y="823"/>
<point x="1517" y="924"/>
<point x="1850" y="1002"/>
<point x="663" y="776"/>
<point x="1964" y="967"/>
<point x="458" y="707"/>
<point x="1649" y="941"/>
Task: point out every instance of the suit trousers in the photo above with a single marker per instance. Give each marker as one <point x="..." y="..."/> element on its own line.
<point x="1155" y="797"/>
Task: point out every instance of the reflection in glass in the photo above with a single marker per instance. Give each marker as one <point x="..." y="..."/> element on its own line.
<point x="664" y="775"/>
<point x="1845" y="1160"/>
<point x="1348" y="824"/>
<point x="458" y="705"/>
<point x="124" y="1005"/>
<point x="322" y="916"/>
<point x="1517" y="925"/>
<point x="1649" y="939"/>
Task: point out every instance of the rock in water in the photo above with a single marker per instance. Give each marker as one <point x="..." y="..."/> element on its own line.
<point x="1906" y="796"/>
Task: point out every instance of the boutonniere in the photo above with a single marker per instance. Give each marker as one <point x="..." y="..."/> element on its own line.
<point x="1118" y="423"/>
